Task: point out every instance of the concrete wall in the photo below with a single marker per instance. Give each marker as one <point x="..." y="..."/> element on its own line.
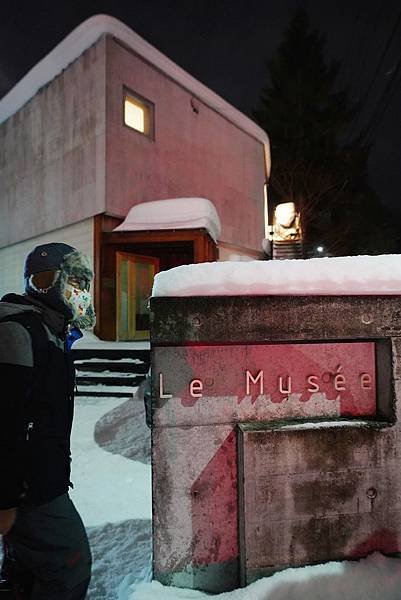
<point x="52" y="153"/>
<point x="12" y="258"/>
<point x="248" y="482"/>
<point x="192" y="154"/>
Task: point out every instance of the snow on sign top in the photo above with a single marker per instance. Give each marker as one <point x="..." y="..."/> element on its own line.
<point x="175" y="213"/>
<point x="347" y="275"/>
<point x="87" y="34"/>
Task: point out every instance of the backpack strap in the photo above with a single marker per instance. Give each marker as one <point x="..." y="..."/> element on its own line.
<point x="40" y="349"/>
<point x="33" y="324"/>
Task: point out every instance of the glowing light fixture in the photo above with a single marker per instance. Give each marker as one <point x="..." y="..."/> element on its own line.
<point x="285" y="213"/>
<point x="320" y="249"/>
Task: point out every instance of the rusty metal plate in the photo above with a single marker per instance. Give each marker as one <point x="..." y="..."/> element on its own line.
<point x="203" y="384"/>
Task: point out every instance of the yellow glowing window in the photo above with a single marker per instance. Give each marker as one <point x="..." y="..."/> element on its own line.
<point x="137" y="114"/>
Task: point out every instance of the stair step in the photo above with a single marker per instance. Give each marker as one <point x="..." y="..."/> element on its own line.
<point x="110" y="380"/>
<point x="117" y="354"/>
<point x="100" y="387"/>
<point x="114" y="373"/>
<point x="103" y="394"/>
<point x="287" y="249"/>
<point x="114" y="366"/>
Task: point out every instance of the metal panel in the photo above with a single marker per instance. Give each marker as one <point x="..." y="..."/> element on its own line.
<point x="314" y="495"/>
<point x="220" y="384"/>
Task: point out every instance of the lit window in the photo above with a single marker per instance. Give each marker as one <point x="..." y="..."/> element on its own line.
<point x="138" y="114"/>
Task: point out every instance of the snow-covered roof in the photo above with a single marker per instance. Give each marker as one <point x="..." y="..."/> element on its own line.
<point x="173" y="213"/>
<point x="347" y="275"/>
<point x="87" y="34"/>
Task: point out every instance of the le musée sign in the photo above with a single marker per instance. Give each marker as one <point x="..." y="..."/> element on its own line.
<point x="343" y="372"/>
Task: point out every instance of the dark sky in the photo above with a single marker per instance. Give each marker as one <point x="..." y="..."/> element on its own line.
<point x="225" y="44"/>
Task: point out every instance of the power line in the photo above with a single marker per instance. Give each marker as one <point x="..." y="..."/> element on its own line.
<point x="351" y="42"/>
<point x="359" y="67"/>
<point x="383" y="104"/>
<point x="382" y="57"/>
<point x="369" y="88"/>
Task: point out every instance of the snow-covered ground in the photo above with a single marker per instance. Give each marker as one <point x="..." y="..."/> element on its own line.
<point x="90" y="341"/>
<point x="112" y="491"/>
<point x="111" y="473"/>
<point x="373" y="578"/>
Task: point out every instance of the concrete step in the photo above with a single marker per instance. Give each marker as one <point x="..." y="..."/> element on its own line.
<point x="110" y="372"/>
<point x="103" y="394"/>
<point x="111" y="379"/>
<point x="110" y="353"/>
<point x="116" y="366"/>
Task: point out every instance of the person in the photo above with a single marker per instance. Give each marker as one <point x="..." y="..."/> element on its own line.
<point x="46" y="550"/>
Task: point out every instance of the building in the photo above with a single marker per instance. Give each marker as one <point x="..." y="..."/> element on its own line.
<point x="105" y="123"/>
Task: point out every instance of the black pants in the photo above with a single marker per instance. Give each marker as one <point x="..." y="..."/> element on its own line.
<point x="48" y="553"/>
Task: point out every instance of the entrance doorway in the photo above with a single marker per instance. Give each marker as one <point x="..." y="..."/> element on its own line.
<point x="127" y="262"/>
<point x="135" y="274"/>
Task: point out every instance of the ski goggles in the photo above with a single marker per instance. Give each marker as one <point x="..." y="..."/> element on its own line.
<point x="81" y="283"/>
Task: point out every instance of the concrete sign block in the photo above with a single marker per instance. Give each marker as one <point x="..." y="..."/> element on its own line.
<point x="276" y="435"/>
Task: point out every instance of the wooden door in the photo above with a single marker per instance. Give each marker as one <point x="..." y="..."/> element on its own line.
<point x="135" y="275"/>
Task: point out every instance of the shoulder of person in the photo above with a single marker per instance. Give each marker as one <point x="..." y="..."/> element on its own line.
<point x="15" y="344"/>
<point x="18" y="324"/>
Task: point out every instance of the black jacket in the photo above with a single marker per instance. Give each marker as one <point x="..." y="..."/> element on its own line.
<point x="36" y="411"/>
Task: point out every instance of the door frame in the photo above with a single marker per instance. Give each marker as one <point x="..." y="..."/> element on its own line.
<point x="132" y="259"/>
<point x="108" y="242"/>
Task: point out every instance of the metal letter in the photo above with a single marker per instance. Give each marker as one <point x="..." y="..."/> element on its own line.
<point x="366" y="381"/>
<point x="282" y="391"/>
<point x="195" y="388"/>
<point x="258" y="377"/>
<point x="312" y="380"/>
<point x="161" y="390"/>
<point x="339" y="383"/>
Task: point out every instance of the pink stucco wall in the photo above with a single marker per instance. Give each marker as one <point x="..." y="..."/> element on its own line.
<point x="192" y="154"/>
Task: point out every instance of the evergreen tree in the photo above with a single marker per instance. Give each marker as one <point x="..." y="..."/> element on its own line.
<point x="307" y="120"/>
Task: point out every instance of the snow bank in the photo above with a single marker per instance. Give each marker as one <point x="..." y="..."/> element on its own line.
<point x="108" y="488"/>
<point x="373" y="578"/>
<point x="90" y="341"/>
<point x="174" y="213"/>
<point x="353" y="275"/>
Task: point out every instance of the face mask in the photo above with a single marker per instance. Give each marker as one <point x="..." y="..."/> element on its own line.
<point x="79" y="300"/>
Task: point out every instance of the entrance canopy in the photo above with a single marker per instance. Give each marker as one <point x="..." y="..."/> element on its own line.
<point x="173" y="213"/>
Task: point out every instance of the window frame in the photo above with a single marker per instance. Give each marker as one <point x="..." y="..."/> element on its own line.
<point x="149" y="112"/>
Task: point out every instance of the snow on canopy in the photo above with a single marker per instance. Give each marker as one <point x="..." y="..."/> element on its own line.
<point x="174" y="213"/>
<point x="347" y="275"/>
<point x="84" y="36"/>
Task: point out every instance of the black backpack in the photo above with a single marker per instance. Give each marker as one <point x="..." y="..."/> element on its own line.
<point x="39" y="339"/>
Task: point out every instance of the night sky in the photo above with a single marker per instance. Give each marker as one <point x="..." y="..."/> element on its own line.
<point x="225" y="44"/>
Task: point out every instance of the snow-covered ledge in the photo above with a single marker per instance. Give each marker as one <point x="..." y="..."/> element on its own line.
<point x="347" y="275"/>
